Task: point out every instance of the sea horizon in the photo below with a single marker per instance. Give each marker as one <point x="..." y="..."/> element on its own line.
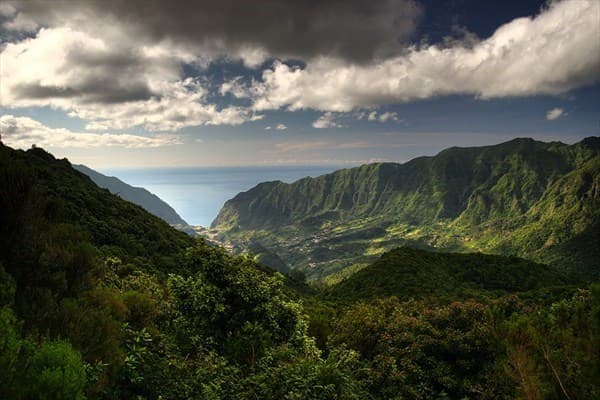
<point x="198" y="193"/>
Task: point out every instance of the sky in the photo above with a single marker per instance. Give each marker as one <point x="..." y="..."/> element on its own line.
<point x="149" y="83"/>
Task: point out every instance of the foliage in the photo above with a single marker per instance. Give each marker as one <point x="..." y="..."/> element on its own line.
<point x="338" y="377"/>
<point x="101" y="300"/>
<point x="412" y="273"/>
<point x="424" y="353"/>
<point x="56" y="373"/>
<point x="231" y="306"/>
<point x="470" y="350"/>
<point x="555" y="352"/>
<point x="45" y="204"/>
<point x="532" y="199"/>
<point x="10" y="355"/>
<point x="50" y="370"/>
<point x="136" y="195"/>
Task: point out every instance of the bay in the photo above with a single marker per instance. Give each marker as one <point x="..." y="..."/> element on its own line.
<point x="197" y="194"/>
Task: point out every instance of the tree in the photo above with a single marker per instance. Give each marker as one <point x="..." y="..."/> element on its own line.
<point x="56" y="373"/>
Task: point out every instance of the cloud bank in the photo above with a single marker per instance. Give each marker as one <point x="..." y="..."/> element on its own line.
<point x="550" y="54"/>
<point x="120" y="64"/>
<point x="355" y="30"/>
<point x="111" y="85"/>
<point x="24" y="132"/>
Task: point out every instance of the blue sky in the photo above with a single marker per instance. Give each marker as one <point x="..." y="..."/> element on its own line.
<point x="348" y="83"/>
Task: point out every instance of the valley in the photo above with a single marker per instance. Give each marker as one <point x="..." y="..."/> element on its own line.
<point x="300" y="200"/>
<point x="133" y="308"/>
<point x="524" y="198"/>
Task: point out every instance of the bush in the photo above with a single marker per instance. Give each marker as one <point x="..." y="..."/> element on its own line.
<point x="56" y="373"/>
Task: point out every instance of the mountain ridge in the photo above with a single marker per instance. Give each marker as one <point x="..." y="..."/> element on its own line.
<point x="137" y="195"/>
<point x="462" y="199"/>
<point x="90" y="282"/>
<point x="46" y="196"/>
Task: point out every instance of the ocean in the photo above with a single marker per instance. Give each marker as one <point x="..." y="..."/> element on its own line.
<point x="197" y="194"/>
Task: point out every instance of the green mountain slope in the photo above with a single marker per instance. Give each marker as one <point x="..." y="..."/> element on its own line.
<point x="522" y="197"/>
<point x="44" y="200"/>
<point x="101" y="300"/>
<point x="411" y="273"/>
<point x="140" y="196"/>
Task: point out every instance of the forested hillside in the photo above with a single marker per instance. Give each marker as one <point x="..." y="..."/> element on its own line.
<point x="527" y="198"/>
<point x="101" y="300"/>
<point x="140" y="196"/>
<point x="411" y="273"/>
<point x="45" y="201"/>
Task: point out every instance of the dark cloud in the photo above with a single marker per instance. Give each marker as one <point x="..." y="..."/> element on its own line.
<point x="39" y="91"/>
<point x="110" y="62"/>
<point x="101" y="77"/>
<point x="357" y="30"/>
<point x="93" y="91"/>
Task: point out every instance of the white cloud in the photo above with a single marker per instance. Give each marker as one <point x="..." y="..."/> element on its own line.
<point x="235" y="87"/>
<point x="388" y="116"/>
<point x="101" y="71"/>
<point x="550" y="54"/>
<point x="555" y="113"/>
<point x="327" y="120"/>
<point x="23" y="132"/>
<point x="383" y="117"/>
<point x="111" y="85"/>
<point x="252" y="57"/>
<point x="279" y="127"/>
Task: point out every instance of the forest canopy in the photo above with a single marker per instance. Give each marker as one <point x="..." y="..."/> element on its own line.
<point x="101" y="300"/>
